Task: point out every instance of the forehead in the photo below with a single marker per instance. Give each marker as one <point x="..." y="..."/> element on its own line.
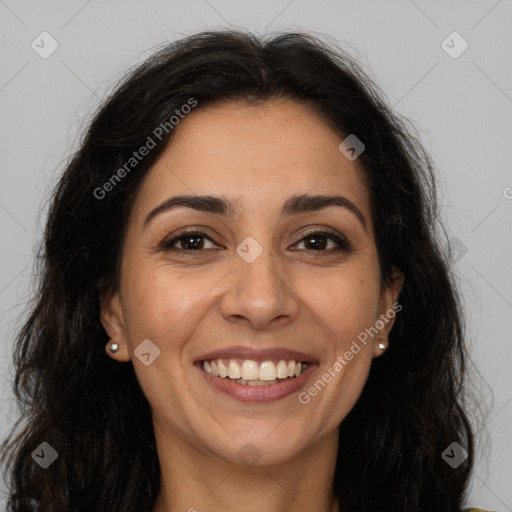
<point x="256" y="155"/>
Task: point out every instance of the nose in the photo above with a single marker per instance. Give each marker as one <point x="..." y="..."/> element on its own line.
<point x="260" y="294"/>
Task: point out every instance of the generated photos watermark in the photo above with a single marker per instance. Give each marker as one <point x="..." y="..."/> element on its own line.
<point x="145" y="149"/>
<point x="341" y="361"/>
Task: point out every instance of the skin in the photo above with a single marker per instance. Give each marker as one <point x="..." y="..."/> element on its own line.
<point x="290" y="297"/>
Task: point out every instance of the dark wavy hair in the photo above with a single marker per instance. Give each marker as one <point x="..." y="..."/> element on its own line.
<point x="92" y="410"/>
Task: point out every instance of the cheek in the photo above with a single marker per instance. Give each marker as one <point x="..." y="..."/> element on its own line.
<point x="346" y="309"/>
<point x="347" y="304"/>
<point x="161" y="302"/>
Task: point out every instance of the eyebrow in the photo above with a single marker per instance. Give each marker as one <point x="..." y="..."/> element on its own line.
<point x="219" y="205"/>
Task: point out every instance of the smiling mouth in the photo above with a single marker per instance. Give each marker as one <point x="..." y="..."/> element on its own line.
<point x="254" y="373"/>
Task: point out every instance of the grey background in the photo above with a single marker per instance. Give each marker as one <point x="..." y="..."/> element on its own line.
<point x="461" y="107"/>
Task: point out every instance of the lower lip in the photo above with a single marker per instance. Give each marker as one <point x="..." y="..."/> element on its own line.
<point x="246" y="393"/>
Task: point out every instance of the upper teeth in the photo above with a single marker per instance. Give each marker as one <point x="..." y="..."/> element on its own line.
<point x="252" y="370"/>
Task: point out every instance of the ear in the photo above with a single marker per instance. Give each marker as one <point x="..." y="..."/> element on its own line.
<point x="388" y="310"/>
<point x="111" y="316"/>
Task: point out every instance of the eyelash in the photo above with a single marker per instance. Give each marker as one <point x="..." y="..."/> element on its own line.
<point x="343" y="244"/>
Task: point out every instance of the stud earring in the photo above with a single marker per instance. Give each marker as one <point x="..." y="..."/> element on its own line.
<point x="113" y="347"/>
<point x="382" y="346"/>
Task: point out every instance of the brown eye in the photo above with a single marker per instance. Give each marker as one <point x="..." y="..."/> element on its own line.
<point x="190" y="242"/>
<point x="318" y="241"/>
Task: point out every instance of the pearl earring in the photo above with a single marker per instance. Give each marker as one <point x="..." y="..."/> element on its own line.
<point x="382" y="346"/>
<point x="113" y="347"/>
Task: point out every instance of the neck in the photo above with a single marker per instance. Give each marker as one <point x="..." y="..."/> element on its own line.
<point x="192" y="480"/>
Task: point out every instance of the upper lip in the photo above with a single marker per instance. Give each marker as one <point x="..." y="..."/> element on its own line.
<point x="268" y="354"/>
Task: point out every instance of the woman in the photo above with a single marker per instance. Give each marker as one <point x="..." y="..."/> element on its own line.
<point x="243" y="304"/>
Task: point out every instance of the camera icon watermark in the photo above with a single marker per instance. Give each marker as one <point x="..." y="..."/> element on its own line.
<point x="249" y="249"/>
<point x="147" y="352"/>
<point x="454" y="455"/>
<point x="249" y="454"/>
<point x="457" y="249"/>
<point x="454" y="45"/>
<point x="351" y="147"/>
<point x="44" y="455"/>
<point x="44" y="45"/>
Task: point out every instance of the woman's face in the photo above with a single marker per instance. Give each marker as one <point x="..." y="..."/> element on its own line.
<point x="259" y="284"/>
